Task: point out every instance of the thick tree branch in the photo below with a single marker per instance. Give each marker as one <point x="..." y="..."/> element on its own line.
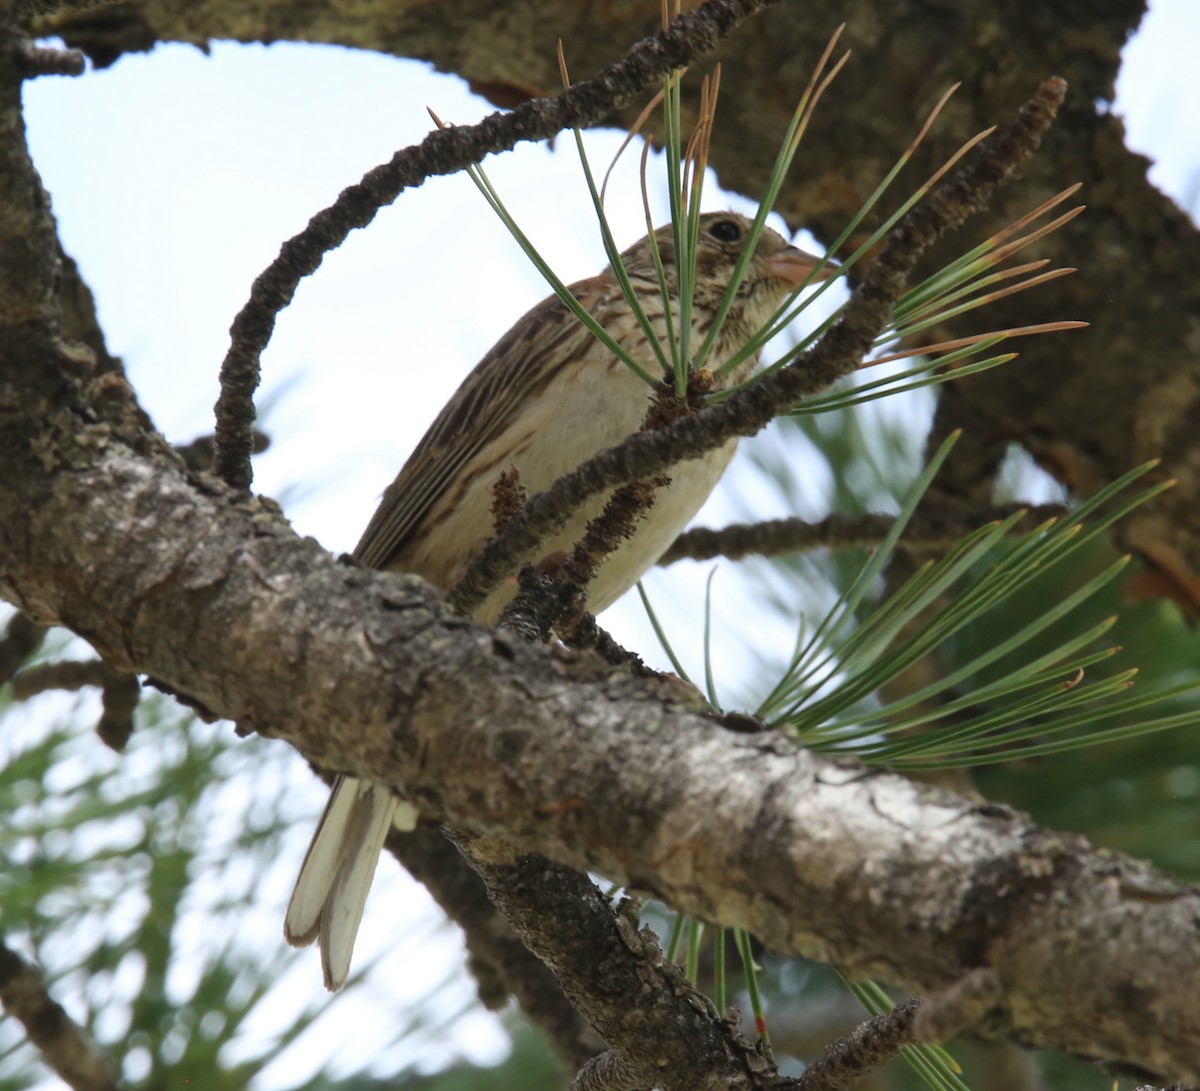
<point x="886" y="878"/>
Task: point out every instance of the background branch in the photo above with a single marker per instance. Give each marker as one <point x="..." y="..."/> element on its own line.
<point x="64" y="1045"/>
<point x="500" y="962"/>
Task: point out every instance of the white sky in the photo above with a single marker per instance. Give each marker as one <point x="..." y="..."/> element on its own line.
<point x="176" y="175"/>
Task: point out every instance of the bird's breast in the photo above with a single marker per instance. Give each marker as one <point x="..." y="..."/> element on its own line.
<point x="594" y="402"/>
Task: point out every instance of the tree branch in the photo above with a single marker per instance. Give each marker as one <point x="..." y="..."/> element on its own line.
<point x="20" y="640"/>
<point x="66" y="1047"/>
<point x="927" y="530"/>
<point x="500" y="962"/>
<point x="443" y="151"/>
<point x="867" y="1047"/>
<point x="889" y="879"/>
<point x="664" y="1031"/>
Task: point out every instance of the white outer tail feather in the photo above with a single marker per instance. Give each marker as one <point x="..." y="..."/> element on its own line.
<point x="336" y="875"/>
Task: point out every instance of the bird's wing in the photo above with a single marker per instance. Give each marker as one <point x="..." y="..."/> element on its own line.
<point x="480" y="410"/>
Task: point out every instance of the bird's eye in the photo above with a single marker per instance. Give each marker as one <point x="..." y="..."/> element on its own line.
<point x="726" y="231"/>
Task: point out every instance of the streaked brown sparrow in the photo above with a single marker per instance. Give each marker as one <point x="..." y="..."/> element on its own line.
<point x="547" y="397"/>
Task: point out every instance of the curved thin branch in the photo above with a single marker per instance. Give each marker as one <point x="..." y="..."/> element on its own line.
<point x="443" y="151"/>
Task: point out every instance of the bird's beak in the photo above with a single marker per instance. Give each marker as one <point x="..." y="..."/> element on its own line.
<point x="793" y="266"/>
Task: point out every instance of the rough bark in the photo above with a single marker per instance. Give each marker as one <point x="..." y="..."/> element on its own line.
<point x="172" y="575"/>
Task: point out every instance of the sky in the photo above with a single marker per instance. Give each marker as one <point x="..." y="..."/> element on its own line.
<point x="176" y="175"/>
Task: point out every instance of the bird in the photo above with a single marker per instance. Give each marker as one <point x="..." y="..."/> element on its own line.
<point x="543" y="400"/>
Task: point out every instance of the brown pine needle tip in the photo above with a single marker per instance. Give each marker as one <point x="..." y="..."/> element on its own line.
<point x="822" y="61"/>
<point x="1038" y="212"/>
<point x="1048" y="327"/>
<point x="930" y="119"/>
<point x="817" y="85"/>
<point x="1010" y="248"/>
<point x="704" y="128"/>
<point x="634" y="130"/>
<point x="976" y="338"/>
<point x="1032" y="282"/>
<point x="823" y="87"/>
<point x="1019" y="270"/>
<point x="934" y="306"/>
<point x="937" y="175"/>
<point x="562" y="66"/>
<point x="695" y="155"/>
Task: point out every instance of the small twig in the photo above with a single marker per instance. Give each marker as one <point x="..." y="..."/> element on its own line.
<point x="198" y="454"/>
<point x="588" y="634"/>
<point x="508" y="497"/>
<point x="21" y="639"/>
<point x="66" y="1047"/>
<point x="868" y="1046"/>
<point x="119" y="692"/>
<point x="646" y="454"/>
<point x="67" y="674"/>
<point x="542" y="597"/>
<point x="37" y="60"/>
<point x="927" y="530"/>
<point x="552" y="597"/>
<point x="120" y="698"/>
<point x="444" y="151"/>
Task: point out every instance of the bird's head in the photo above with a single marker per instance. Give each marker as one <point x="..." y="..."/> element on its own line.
<point x="775" y="269"/>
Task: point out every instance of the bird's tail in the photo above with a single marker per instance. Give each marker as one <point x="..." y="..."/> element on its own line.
<point x="336" y="875"/>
